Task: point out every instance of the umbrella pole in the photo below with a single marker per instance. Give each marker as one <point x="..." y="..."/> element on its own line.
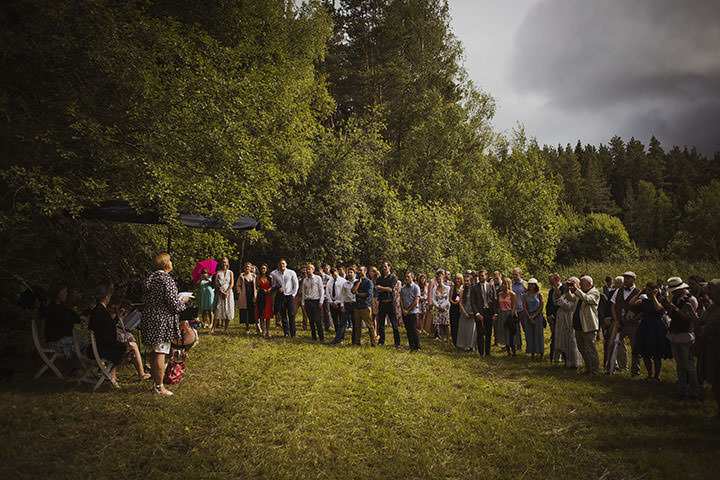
<point x="242" y="250"/>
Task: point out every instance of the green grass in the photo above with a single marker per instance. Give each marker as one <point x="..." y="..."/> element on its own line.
<point x="280" y="408"/>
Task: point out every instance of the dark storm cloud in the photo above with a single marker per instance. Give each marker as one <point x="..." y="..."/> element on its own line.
<point x="650" y="66"/>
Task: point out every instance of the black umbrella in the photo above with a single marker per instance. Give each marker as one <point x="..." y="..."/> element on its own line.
<point x="121" y="211"/>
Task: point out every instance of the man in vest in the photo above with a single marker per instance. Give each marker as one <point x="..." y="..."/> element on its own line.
<point x="482" y="299"/>
<point x="626" y="320"/>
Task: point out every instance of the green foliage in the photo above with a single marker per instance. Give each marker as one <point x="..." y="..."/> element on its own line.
<point x="350" y="129"/>
<point x="322" y="214"/>
<point x="646" y="270"/>
<point x="525" y="213"/>
<point x="649" y="216"/>
<point x="144" y="102"/>
<point x="594" y="237"/>
<point x="700" y="234"/>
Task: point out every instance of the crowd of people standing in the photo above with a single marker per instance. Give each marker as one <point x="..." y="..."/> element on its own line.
<point x="471" y="311"/>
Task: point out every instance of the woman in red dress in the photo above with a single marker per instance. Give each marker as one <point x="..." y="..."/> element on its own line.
<point x="264" y="300"/>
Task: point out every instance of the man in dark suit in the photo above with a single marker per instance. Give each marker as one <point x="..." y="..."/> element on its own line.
<point x="482" y="299"/>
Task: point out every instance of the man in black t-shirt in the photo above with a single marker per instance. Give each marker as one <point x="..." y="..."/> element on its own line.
<point x="386" y="305"/>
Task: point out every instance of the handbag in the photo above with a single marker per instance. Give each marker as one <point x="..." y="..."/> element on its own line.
<point x="175" y="368"/>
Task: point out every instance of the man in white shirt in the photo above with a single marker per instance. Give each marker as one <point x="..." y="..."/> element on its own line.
<point x="324" y="272"/>
<point x="346" y="303"/>
<point x="332" y="294"/>
<point x="313" y="299"/>
<point x="625" y="324"/>
<point x="285" y="284"/>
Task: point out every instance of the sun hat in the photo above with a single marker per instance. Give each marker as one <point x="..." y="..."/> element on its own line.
<point x="675" y="283"/>
<point x="629" y="274"/>
<point x="532" y="280"/>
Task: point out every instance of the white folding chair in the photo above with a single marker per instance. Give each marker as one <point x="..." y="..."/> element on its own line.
<point x="89" y="364"/>
<point x="43" y="351"/>
<point x="81" y="339"/>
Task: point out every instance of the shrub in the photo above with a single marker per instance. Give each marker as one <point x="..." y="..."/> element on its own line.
<point x="594" y="237"/>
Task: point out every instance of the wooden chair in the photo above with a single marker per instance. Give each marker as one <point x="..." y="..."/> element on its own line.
<point x="87" y="337"/>
<point x="43" y="352"/>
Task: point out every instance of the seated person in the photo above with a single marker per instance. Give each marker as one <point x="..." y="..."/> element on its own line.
<point x="103" y="325"/>
<point x="59" y="322"/>
<point x="118" y="310"/>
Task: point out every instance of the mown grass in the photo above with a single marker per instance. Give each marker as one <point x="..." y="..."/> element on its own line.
<point x="280" y="408"/>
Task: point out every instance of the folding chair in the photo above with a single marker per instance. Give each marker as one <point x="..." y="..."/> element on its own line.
<point x="89" y="364"/>
<point x="43" y="351"/>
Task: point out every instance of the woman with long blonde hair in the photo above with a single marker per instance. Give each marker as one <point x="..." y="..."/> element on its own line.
<point x="224" y="298"/>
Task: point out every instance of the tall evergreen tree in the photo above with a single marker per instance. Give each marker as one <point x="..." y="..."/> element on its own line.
<point x="569" y="170"/>
<point x="656" y="163"/>
<point x="649" y="216"/>
<point x="617" y="168"/>
<point x="596" y="190"/>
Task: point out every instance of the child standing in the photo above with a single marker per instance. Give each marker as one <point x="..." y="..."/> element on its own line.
<point x="206" y="297"/>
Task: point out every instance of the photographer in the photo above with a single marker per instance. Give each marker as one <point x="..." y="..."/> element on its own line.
<point x="585" y="321"/>
<point x="682" y="308"/>
<point x="651" y="343"/>
<point x="709" y="340"/>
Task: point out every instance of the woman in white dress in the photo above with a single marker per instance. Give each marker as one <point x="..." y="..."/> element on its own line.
<point x="441" y="303"/>
<point x="224" y="297"/>
<point x="565" y="343"/>
<point x="466" y="338"/>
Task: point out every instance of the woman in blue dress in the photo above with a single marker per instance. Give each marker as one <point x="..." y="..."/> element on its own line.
<point x="534" y="321"/>
<point x="206" y="297"/>
<point x="651" y="342"/>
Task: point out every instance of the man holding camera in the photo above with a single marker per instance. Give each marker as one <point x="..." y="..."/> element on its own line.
<point x="585" y="321"/>
<point x="682" y="308"/>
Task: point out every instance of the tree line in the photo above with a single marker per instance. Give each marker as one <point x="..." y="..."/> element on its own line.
<point x="349" y="128"/>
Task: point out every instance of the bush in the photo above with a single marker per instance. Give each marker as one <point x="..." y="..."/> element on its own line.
<point x="594" y="237"/>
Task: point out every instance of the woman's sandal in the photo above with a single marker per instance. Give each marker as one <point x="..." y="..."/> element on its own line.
<point x="161" y="390"/>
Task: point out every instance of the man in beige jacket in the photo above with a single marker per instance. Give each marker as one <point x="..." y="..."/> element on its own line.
<point x="585" y="321"/>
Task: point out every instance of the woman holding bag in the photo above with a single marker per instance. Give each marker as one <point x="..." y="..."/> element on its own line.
<point x="160" y="319"/>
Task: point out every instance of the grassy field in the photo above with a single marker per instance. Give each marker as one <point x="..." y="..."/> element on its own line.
<point x="278" y="408"/>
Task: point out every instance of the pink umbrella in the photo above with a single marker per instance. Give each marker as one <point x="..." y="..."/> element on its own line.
<point x="211" y="266"/>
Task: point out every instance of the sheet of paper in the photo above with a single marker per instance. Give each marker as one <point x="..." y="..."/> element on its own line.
<point x="182" y="295"/>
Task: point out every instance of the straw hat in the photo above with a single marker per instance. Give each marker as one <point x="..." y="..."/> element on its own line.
<point x="532" y="280"/>
<point x="675" y="283"/>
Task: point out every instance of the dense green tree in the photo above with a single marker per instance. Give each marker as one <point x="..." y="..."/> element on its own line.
<point x="526" y="216"/>
<point x="109" y="99"/>
<point x="655" y="162"/>
<point x="595" y="188"/>
<point x="699" y="236"/>
<point x="618" y="179"/>
<point x="649" y="216"/>
<point x="594" y="237"/>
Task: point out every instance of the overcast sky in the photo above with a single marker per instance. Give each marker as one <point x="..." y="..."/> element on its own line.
<point x="591" y="69"/>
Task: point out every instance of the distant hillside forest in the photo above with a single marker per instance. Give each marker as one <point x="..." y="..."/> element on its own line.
<point x="348" y="128"/>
